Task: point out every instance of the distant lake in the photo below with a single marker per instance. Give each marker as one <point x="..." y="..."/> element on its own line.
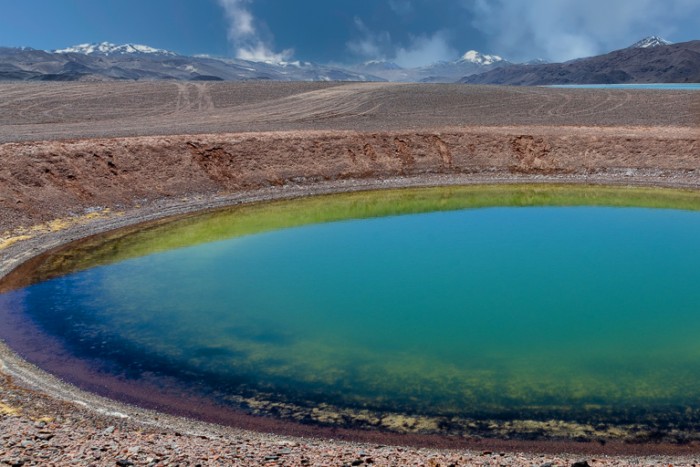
<point x="667" y="86"/>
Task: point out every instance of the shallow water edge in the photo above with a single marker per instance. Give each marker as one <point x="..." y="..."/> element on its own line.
<point x="522" y="430"/>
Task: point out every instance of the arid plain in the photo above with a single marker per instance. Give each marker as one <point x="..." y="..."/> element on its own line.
<point x="82" y="158"/>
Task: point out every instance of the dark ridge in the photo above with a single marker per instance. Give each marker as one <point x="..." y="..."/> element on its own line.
<point x="675" y="63"/>
<point x="206" y="78"/>
<point x="62" y="77"/>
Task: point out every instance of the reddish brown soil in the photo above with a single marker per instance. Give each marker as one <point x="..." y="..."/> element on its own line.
<point x="40" y="181"/>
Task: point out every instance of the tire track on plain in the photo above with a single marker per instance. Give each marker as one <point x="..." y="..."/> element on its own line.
<point x="337" y="102"/>
<point x="35" y="111"/>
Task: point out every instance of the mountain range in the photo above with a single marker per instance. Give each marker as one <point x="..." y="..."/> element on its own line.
<point x="652" y="59"/>
<point x="440" y="72"/>
<point x="105" y="61"/>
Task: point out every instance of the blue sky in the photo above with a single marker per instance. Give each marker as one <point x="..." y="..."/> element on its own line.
<point x="410" y="32"/>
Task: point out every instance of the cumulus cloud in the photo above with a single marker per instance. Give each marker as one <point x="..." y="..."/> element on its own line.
<point x="560" y="30"/>
<point x="244" y="34"/>
<point x="421" y="50"/>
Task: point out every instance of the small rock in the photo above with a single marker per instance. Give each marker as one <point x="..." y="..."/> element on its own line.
<point x="124" y="463"/>
<point x="358" y="462"/>
<point x="108" y="431"/>
<point x="581" y="464"/>
<point x="271" y="458"/>
<point x="547" y="464"/>
<point x="285" y="451"/>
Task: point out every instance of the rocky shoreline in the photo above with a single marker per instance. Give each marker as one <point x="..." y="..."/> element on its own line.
<point x="76" y="436"/>
<point x="45" y="421"/>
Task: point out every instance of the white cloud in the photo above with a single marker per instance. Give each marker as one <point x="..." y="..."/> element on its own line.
<point x="370" y="45"/>
<point x="425" y="50"/>
<point x="422" y="50"/>
<point x="245" y="37"/>
<point x="564" y="29"/>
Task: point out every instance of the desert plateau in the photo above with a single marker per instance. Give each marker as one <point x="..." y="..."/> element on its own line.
<point x="80" y="158"/>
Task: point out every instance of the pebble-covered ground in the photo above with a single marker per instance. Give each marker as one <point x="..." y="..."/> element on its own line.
<point x="38" y="430"/>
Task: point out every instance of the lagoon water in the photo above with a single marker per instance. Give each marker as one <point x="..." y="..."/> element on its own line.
<point x="651" y="86"/>
<point x="534" y="307"/>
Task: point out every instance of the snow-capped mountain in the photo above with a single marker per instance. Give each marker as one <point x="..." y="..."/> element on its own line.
<point x="651" y="41"/>
<point x="439" y="72"/>
<point x="478" y="58"/>
<point x="107" y="48"/>
<point x="472" y="62"/>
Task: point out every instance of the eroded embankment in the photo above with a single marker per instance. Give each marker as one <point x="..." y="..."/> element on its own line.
<point x="40" y="182"/>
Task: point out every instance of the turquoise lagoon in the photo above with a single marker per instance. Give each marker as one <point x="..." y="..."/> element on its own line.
<point x="472" y="302"/>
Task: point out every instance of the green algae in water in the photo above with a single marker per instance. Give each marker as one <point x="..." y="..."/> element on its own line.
<point x="545" y="301"/>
